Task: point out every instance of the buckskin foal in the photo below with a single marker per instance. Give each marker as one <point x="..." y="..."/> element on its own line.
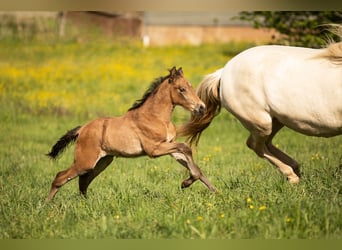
<point x="146" y="129"/>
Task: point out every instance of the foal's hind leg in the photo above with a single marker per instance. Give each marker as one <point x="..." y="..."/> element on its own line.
<point x="85" y="160"/>
<point x="85" y="179"/>
<point x="60" y="179"/>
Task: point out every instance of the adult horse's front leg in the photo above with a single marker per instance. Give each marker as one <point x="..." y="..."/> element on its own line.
<point x="183" y="154"/>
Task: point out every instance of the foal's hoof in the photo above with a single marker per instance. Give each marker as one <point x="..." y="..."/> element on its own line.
<point x="186" y="183"/>
<point x="293" y="180"/>
<point x="212" y="189"/>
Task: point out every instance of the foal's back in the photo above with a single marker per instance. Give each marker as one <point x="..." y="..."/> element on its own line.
<point x="115" y="136"/>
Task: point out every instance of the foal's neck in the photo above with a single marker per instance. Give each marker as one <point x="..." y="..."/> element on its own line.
<point x="159" y="104"/>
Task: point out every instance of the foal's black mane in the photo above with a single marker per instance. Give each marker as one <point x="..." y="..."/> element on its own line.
<point x="153" y="87"/>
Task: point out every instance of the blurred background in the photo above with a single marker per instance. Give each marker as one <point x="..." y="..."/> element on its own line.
<point x="302" y="28"/>
<point x="151" y="28"/>
<point x="83" y="62"/>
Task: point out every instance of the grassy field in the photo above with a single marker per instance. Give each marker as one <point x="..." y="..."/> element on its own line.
<point x="48" y="88"/>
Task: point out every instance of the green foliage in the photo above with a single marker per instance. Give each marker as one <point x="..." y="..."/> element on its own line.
<point x="16" y="29"/>
<point x="298" y="28"/>
<point x="47" y="28"/>
<point x="141" y="198"/>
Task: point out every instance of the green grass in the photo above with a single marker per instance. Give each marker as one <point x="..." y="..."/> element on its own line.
<point x="48" y="89"/>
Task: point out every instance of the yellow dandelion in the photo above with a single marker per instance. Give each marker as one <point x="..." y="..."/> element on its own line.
<point x="117" y="217"/>
<point x="217" y="149"/>
<point x="261" y="208"/>
<point x="317" y="156"/>
<point x="288" y="219"/>
<point x="249" y="200"/>
<point x="206" y="158"/>
<point x="188" y="221"/>
<point x="199" y="218"/>
<point x="251" y="206"/>
<point x="222" y="216"/>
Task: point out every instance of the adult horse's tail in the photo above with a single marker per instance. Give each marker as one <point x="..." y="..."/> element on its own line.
<point x="208" y="92"/>
<point x="63" y="142"/>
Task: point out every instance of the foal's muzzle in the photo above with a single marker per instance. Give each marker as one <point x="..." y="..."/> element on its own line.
<point x="199" y="109"/>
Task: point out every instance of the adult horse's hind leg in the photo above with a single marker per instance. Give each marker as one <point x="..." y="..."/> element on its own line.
<point x="276" y="126"/>
<point x="85" y="179"/>
<point x="262" y="131"/>
<point x="60" y="179"/>
<point x="258" y="144"/>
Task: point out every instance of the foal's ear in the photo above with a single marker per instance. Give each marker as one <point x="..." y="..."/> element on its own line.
<point x="173" y="74"/>
<point x="180" y="71"/>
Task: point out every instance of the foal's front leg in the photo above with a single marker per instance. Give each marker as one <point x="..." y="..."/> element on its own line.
<point x="183" y="154"/>
<point x="195" y="172"/>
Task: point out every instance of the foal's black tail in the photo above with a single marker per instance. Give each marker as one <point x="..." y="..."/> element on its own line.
<point x="63" y="142"/>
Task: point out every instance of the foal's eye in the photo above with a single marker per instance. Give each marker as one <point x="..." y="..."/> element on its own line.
<point x="181" y="89"/>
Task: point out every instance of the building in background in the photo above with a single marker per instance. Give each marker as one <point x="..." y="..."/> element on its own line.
<point x="152" y="28"/>
<point x="163" y="28"/>
<point x="112" y="24"/>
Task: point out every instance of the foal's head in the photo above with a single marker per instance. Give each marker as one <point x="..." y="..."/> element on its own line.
<point x="183" y="94"/>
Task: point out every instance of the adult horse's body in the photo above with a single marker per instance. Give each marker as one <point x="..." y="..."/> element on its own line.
<point x="146" y="129"/>
<point x="269" y="87"/>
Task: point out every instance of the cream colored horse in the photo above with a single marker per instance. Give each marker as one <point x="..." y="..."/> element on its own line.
<point x="269" y="87"/>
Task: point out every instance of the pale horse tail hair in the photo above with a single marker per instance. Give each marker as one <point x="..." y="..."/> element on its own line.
<point x="333" y="51"/>
<point x="63" y="142"/>
<point x="209" y="92"/>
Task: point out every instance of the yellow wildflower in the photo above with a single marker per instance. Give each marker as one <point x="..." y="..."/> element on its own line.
<point x="217" y="149"/>
<point x="288" y="219"/>
<point x="199" y="218"/>
<point x="249" y="200"/>
<point x="317" y="156"/>
<point x="206" y="158"/>
<point x="263" y="207"/>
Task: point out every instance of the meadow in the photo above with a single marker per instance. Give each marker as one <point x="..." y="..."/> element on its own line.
<point x="47" y="88"/>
